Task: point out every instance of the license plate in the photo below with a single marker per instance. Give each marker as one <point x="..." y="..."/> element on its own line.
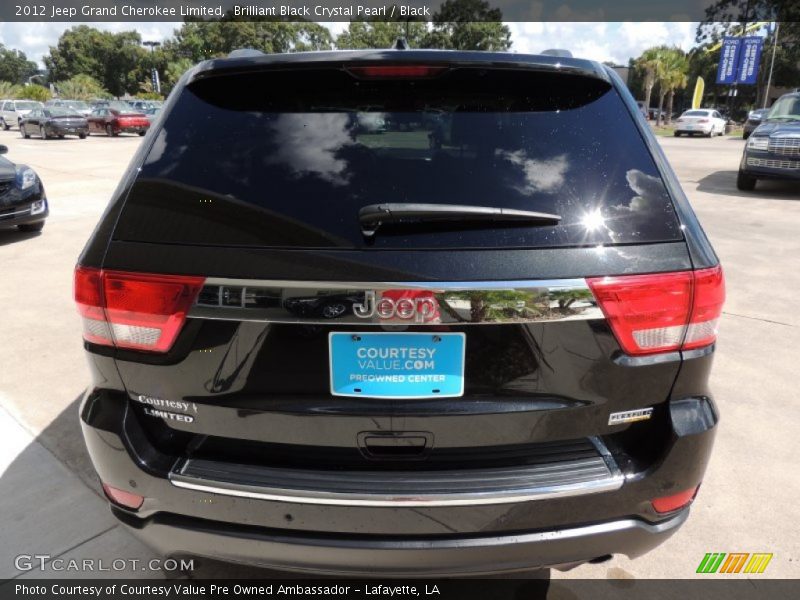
<point x="688" y="126"/>
<point x="397" y="365"/>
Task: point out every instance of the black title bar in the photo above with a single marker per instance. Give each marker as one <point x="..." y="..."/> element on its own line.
<point x="344" y="10"/>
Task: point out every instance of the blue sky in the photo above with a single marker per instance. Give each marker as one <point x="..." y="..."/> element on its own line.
<point x="598" y="41"/>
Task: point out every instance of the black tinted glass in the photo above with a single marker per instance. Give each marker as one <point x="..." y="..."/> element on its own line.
<point x="286" y="159"/>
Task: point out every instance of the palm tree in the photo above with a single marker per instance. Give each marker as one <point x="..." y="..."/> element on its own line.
<point x="650" y="64"/>
<point x="675" y="76"/>
<point x="666" y="66"/>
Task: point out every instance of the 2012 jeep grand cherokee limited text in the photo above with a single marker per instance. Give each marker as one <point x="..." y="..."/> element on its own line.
<point x="400" y="312"/>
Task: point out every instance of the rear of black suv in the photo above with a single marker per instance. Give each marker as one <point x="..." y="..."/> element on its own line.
<point x="400" y="312"/>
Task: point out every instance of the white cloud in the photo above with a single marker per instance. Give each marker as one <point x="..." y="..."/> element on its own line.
<point x="600" y="41"/>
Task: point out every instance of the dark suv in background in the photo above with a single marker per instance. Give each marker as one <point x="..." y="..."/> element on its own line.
<point x="404" y="312"/>
<point x="773" y="149"/>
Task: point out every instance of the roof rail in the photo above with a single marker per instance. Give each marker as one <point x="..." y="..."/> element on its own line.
<point x="244" y="53"/>
<point x="400" y="43"/>
<point x="559" y="52"/>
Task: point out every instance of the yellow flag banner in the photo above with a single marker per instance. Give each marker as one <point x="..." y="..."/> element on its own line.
<point x="699" y="88"/>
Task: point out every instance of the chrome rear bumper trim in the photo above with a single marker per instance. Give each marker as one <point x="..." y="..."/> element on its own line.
<point x="397" y="489"/>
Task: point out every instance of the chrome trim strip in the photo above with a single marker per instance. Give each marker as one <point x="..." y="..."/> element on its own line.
<point x="609" y="478"/>
<point x="24" y="211"/>
<point x="357" y="303"/>
<point x="772" y="163"/>
<point x="451" y="286"/>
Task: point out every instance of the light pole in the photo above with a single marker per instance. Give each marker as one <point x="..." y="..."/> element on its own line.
<point x="772" y="63"/>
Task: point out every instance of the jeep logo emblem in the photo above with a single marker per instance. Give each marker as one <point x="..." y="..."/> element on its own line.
<point x="406" y="305"/>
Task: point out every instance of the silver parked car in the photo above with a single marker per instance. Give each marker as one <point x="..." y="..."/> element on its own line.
<point x="76" y="105"/>
<point x="13" y="111"/>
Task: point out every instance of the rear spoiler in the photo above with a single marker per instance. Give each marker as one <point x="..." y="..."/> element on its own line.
<point x="247" y="62"/>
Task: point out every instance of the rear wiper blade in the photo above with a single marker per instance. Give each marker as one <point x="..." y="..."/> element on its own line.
<point x="373" y="216"/>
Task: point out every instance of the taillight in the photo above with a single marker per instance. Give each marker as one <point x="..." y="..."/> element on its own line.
<point x="662" y="312"/>
<point x="397" y="71"/>
<point x="709" y="296"/>
<point x="140" y="311"/>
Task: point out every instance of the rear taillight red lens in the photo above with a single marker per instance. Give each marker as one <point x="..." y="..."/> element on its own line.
<point x="709" y="296"/>
<point x="140" y="311"/>
<point x="397" y="71"/>
<point x="662" y="312"/>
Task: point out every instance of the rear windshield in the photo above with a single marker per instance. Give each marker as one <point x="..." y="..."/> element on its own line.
<point x="287" y="159"/>
<point x="56" y="111"/>
<point x="695" y="113"/>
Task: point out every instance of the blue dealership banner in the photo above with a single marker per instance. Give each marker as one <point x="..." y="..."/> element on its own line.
<point x="749" y="59"/>
<point x="729" y="60"/>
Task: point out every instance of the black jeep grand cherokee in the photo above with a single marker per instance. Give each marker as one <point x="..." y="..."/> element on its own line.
<point x="400" y="312"/>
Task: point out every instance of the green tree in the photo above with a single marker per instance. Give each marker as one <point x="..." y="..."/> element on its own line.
<point x="468" y="25"/>
<point x="201" y="40"/>
<point x="81" y="87"/>
<point x="673" y="76"/>
<point x="116" y="60"/>
<point x="173" y="72"/>
<point x="8" y="89"/>
<point x="15" y="66"/>
<point x="648" y="66"/>
<point x="381" y="34"/>
<point x="35" y="91"/>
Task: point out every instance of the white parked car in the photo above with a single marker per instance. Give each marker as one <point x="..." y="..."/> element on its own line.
<point x="705" y="121"/>
<point x="13" y="111"/>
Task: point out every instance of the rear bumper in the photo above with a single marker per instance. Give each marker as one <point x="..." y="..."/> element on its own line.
<point x="68" y="130"/>
<point x="290" y="534"/>
<point x="703" y="130"/>
<point x="412" y="557"/>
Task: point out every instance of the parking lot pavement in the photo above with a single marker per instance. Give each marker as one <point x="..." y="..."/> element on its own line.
<point x="748" y="502"/>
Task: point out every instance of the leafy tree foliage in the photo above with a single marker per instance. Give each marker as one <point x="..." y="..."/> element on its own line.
<point x="34" y="92"/>
<point x="9" y="90"/>
<point x="201" y="40"/>
<point x="469" y="25"/>
<point x="15" y="66"/>
<point x="382" y="34"/>
<point x="81" y="87"/>
<point x="116" y="60"/>
<point x="457" y="25"/>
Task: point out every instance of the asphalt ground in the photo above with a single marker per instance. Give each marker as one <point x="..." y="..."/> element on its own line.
<point x="50" y="500"/>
